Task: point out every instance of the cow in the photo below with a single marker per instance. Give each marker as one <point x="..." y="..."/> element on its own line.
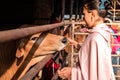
<point x="50" y="44"/>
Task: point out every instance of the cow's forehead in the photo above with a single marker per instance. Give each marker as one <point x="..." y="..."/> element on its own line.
<point x="36" y="35"/>
<point x="49" y="34"/>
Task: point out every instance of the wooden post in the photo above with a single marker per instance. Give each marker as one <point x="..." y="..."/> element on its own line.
<point x="114" y="10"/>
<point x="76" y="12"/>
<point x="71" y="9"/>
<point x="63" y="10"/>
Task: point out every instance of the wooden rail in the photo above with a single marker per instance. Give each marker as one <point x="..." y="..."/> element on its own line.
<point x="22" y="32"/>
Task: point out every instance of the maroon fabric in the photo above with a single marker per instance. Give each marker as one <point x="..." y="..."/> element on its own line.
<point x="48" y="69"/>
<point x="55" y="21"/>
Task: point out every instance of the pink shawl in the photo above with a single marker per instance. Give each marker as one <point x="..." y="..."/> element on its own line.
<point x="95" y="56"/>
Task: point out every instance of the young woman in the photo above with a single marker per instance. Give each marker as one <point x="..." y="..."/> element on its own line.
<point x="95" y="53"/>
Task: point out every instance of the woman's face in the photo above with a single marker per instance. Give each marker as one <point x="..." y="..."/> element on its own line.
<point x="88" y="18"/>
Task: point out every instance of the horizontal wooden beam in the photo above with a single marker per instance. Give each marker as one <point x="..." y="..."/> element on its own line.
<point x="22" y="32"/>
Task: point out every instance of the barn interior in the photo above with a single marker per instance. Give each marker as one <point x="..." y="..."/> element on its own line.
<point x="39" y="11"/>
<point x="14" y="13"/>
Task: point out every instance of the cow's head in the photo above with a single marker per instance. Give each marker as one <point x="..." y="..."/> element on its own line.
<point x="50" y="44"/>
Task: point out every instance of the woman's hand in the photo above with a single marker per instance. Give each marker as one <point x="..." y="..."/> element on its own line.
<point x="65" y="72"/>
<point x="72" y="42"/>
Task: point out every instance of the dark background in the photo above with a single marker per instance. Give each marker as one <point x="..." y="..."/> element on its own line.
<point x="14" y="13"/>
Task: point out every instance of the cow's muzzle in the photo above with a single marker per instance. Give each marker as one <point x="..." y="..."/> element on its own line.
<point x="64" y="40"/>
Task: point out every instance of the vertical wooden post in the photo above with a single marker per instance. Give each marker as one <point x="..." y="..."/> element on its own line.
<point x="76" y="12"/>
<point x="63" y="10"/>
<point x="70" y="55"/>
<point x="71" y="9"/>
<point x="114" y="10"/>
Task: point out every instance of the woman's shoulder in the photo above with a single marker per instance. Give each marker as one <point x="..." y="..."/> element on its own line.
<point x="95" y="36"/>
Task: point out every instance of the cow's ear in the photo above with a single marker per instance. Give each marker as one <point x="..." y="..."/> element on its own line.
<point x="19" y="52"/>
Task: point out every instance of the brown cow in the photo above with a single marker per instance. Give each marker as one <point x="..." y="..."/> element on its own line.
<point x="50" y="44"/>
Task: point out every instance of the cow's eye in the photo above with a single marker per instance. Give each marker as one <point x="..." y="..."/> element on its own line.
<point x="34" y="38"/>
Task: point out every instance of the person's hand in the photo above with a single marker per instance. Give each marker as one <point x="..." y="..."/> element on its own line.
<point x="65" y="72"/>
<point x="72" y="42"/>
<point x="84" y="30"/>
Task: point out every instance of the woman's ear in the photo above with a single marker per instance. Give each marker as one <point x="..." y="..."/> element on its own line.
<point x="94" y="13"/>
<point x="19" y="52"/>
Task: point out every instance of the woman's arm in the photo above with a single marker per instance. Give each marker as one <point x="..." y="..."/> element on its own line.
<point x="74" y="43"/>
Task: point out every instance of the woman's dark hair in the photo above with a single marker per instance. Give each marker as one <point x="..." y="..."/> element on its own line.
<point x="95" y="5"/>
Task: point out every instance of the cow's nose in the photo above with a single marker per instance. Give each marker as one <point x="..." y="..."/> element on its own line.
<point x="64" y="40"/>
